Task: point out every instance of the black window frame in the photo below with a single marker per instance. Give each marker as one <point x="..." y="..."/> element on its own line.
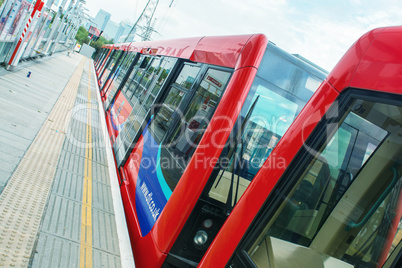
<point x="160" y="96"/>
<point x="124" y="80"/>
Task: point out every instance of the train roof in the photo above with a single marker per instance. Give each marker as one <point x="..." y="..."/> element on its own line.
<point x="230" y="51"/>
<point x="373" y="62"/>
<point x="225" y="51"/>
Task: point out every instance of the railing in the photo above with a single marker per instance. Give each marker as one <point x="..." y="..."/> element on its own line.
<point x="7" y="48"/>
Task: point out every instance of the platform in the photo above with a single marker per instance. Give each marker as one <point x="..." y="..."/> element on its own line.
<point x="59" y="201"/>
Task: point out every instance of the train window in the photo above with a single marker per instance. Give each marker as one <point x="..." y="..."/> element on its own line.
<point x="155" y="78"/>
<point x="147" y="91"/>
<point x="282" y="87"/>
<point x="289" y="73"/>
<point x="100" y="57"/>
<point x="118" y="76"/>
<point x="144" y="79"/>
<point x="151" y="84"/>
<point x="262" y="125"/>
<point x="339" y="203"/>
<point x="181" y="141"/>
<point x="103" y="61"/>
<point x="129" y="86"/>
<point x="110" y="65"/>
<point x="135" y="87"/>
<point x="177" y="93"/>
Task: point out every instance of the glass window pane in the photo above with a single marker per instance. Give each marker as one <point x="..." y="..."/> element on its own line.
<point x="110" y="66"/>
<point x="187" y="76"/>
<point x="173" y="100"/>
<point x="289" y="73"/>
<point x="129" y="87"/>
<point x="183" y="139"/>
<point x="163" y="118"/>
<point x="269" y="116"/>
<point x="343" y="208"/>
<point x="118" y="76"/>
<point x="157" y="74"/>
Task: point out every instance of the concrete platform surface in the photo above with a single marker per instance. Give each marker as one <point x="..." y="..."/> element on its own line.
<point x="59" y="201"/>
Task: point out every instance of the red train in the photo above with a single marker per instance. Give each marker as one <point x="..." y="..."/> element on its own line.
<point x="232" y="152"/>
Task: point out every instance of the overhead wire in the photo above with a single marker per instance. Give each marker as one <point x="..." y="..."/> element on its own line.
<point x="166" y="15"/>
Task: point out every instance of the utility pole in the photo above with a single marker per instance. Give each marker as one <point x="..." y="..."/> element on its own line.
<point x="146" y="20"/>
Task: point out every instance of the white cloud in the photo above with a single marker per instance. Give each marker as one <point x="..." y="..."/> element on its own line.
<point x="319" y="30"/>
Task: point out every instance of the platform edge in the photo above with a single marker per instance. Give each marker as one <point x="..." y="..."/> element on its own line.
<point x="126" y="253"/>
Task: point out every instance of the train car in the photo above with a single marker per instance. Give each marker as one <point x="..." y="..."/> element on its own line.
<point x="162" y="99"/>
<point x="337" y="201"/>
<point x="222" y="163"/>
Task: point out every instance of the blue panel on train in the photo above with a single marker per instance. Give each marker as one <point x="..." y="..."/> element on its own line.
<point x="150" y="194"/>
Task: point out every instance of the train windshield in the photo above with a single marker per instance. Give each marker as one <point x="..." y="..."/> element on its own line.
<point x="340" y="204"/>
<point x="279" y="92"/>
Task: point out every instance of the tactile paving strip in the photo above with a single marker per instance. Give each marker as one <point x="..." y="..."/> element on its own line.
<point x="23" y="200"/>
<point x="62" y="229"/>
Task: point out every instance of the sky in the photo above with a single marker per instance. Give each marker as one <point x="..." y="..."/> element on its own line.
<point x="319" y="30"/>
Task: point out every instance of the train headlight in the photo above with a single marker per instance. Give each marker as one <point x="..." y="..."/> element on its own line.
<point x="207" y="223"/>
<point x="200" y="238"/>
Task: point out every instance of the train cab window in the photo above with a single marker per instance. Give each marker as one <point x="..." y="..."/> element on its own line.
<point x="282" y="87"/>
<point x="266" y="121"/>
<point x="339" y="204"/>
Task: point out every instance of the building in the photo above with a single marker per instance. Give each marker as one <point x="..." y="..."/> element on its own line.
<point x="122" y="31"/>
<point x="102" y="19"/>
<point x="110" y="30"/>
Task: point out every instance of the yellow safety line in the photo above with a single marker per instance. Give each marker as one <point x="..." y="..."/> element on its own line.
<point x="86" y="217"/>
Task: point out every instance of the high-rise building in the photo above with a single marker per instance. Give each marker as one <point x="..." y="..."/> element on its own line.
<point x="110" y="30"/>
<point x="101" y="19"/>
<point x="122" y="31"/>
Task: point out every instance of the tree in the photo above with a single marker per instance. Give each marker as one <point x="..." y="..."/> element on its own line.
<point x="99" y="43"/>
<point x="82" y="38"/>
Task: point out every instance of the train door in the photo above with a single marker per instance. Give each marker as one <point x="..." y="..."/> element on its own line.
<point x="339" y="203"/>
<point x="142" y="89"/>
<point x="169" y="138"/>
